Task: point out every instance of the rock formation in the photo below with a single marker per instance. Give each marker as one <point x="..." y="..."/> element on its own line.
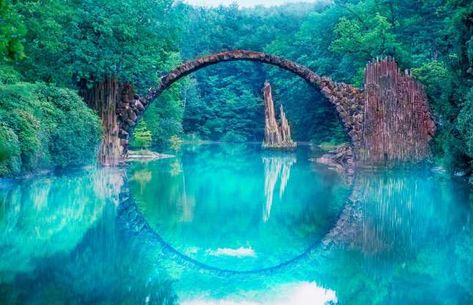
<point x="394" y="124"/>
<point x="339" y="159"/>
<point x="276" y="135"/>
<point x="387" y="121"/>
<point x="103" y="98"/>
<point x="397" y="125"/>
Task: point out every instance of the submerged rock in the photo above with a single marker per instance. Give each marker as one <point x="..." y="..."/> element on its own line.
<point x="146" y="155"/>
<point x="276" y="136"/>
<point x="339" y="159"/>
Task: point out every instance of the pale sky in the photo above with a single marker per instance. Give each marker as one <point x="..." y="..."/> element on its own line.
<point x="244" y="3"/>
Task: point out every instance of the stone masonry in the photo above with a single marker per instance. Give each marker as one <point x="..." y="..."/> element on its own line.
<point x="387" y="120"/>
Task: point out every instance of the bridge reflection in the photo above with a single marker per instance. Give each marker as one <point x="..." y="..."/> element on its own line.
<point x="397" y="226"/>
<point x="386" y="215"/>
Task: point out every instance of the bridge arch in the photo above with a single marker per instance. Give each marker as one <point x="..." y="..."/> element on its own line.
<point x="347" y="100"/>
<point x="387" y="120"/>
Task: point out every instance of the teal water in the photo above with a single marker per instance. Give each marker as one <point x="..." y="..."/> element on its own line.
<point x="231" y="224"/>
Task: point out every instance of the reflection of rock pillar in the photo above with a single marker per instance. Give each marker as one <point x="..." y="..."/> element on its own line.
<point x="275" y="168"/>
<point x="184" y="202"/>
<point x="271" y="175"/>
<point x="386" y="205"/>
<point x="285" y="174"/>
<point x="109" y="184"/>
<point x="188" y="203"/>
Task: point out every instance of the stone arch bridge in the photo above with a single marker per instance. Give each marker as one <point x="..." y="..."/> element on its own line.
<point x="386" y="120"/>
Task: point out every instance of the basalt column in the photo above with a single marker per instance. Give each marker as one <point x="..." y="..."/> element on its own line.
<point x="397" y="124"/>
<point x="119" y="109"/>
<point x="103" y="98"/>
<point x="277" y="136"/>
<point x="387" y="120"/>
<point x="285" y="128"/>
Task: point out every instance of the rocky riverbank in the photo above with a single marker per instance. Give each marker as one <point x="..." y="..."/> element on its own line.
<point x="340" y="159"/>
<point x="146" y="155"/>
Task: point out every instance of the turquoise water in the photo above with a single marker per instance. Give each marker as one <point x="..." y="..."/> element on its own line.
<point x="231" y="224"/>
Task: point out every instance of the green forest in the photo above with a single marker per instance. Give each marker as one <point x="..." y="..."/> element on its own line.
<point x="53" y="52"/>
<point x="209" y="152"/>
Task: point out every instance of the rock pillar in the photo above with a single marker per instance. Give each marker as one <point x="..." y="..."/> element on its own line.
<point x="397" y="123"/>
<point x="277" y="136"/>
<point x="103" y="99"/>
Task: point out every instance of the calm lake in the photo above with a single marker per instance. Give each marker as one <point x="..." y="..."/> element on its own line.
<point x="232" y="224"/>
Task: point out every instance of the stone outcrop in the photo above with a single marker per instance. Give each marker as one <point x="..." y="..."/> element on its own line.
<point x="130" y="108"/>
<point x="340" y="159"/>
<point x="276" y="136"/>
<point x="388" y="120"/>
<point x="119" y="109"/>
<point x="103" y="99"/>
<point x="397" y="124"/>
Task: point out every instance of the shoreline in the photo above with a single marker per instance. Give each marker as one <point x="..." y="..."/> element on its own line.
<point x="146" y="155"/>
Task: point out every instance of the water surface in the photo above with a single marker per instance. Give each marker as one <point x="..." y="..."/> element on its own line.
<point x="231" y="224"/>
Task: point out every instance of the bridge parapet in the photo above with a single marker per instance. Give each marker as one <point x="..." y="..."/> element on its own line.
<point x="346" y="98"/>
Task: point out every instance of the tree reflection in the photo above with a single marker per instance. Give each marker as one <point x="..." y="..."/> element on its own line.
<point x="69" y="247"/>
<point x="51" y="214"/>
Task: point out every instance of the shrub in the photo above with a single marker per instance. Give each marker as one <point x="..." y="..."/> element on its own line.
<point x="43" y="127"/>
<point x="9" y="151"/>
<point x="465" y="122"/>
<point x="142" y="137"/>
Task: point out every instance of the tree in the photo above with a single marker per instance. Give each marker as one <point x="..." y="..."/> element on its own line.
<point x="142" y="136"/>
<point x="164" y="116"/>
<point x="92" y="41"/>
<point x="44" y="127"/>
<point x="12" y="32"/>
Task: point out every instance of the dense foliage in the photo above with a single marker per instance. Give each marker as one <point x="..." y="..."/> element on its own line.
<point x="12" y="31"/>
<point x="225" y="102"/>
<point x="434" y="38"/>
<point x="44" y="126"/>
<point x="69" y="41"/>
<point x="163" y="118"/>
<point x="78" y="44"/>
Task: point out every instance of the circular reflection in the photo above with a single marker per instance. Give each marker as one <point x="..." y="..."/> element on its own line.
<point x="236" y="207"/>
